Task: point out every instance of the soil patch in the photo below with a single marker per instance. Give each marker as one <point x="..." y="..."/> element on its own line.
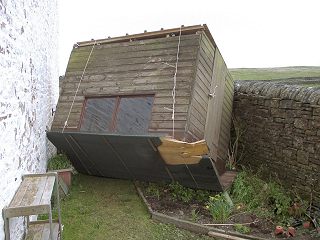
<point x="196" y="211"/>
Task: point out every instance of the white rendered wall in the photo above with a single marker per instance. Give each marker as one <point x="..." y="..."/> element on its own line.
<point x="28" y="91"/>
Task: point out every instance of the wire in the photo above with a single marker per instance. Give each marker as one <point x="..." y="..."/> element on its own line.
<point x="175" y="84"/>
<point x="76" y="92"/>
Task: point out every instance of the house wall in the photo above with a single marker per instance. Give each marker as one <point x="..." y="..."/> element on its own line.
<point x="282" y="133"/>
<point x="28" y="92"/>
<point x="128" y="68"/>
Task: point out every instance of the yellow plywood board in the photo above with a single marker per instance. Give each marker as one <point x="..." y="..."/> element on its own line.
<point x="175" y="152"/>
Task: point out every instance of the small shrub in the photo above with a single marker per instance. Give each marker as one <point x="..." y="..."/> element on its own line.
<point x="59" y="161"/>
<point x="242" y="228"/>
<point x="181" y="193"/>
<point x="219" y="208"/>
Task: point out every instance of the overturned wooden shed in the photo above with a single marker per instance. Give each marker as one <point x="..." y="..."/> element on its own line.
<point x="149" y="106"/>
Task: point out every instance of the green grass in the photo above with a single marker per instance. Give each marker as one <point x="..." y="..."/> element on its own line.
<point x="274" y="73"/>
<point x="101" y="208"/>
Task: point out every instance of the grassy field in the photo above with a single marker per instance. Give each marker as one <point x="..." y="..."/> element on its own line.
<point x="101" y="208"/>
<point x="274" y="73"/>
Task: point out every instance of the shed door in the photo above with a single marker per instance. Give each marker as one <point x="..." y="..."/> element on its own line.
<point x="120" y="114"/>
<point x="215" y="104"/>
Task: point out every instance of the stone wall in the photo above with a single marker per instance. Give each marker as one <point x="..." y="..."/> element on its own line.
<point x="282" y="136"/>
<point x="28" y="92"/>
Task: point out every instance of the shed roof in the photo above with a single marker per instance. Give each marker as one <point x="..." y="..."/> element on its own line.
<point x="151" y="35"/>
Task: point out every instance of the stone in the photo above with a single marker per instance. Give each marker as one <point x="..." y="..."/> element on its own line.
<point x="301" y="123"/>
<point x="287" y="104"/>
<point x="302" y="157"/>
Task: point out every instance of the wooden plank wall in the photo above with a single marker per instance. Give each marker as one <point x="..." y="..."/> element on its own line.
<point x="210" y="118"/>
<point x="214" y="114"/>
<point x="138" y="67"/>
<point x="224" y="138"/>
<point x="197" y="114"/>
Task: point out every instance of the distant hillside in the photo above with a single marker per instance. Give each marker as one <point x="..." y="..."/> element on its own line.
<point x="274" y="73"/>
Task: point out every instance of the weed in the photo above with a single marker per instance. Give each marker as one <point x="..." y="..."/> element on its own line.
<point x="194" y="215"/>
<point x="202" y="196"/>
<point x="242" y="228"/>
<point x="59" y="161"/>
<point x="219" y="208"/>
<point x="181" y="193"/>
<point x="266" y="199"/>
<point x="153" y="190"/>
<point x="236" y="147"/>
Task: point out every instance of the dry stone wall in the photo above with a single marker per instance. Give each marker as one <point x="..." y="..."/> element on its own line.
<point x="28" y="92"/>
<point x="282" y="135"/>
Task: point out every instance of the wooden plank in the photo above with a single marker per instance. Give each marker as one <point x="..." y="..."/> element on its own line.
<point x="30" y="195"/>
<point x="200" y="96"/>
<point x="97" y="77"/>
<point x="149" y="55"/>
<point x="167" y="125"/>
<point x="199" y="125"/>
<point x="167" y="116"/>
<point x="27" y="210"/>
<point x="35" y="232"/>
<point x="164" y="108"/>
<point x="208" y="43"/>
<point x="197" y="111"/>
<point x="212" y="128"/>
<point x="117" y="58"/>
<point x="176" y="152"/>
<point x="20" y="193"/>
<point x="155" y="41"/>
<point x="129" y="63"/>
<point x="130" y="69"/>
<point x="147" y="35"/>
<point x="168" y="81"/>
<point x="196" y="132"/>
<point x="39" y="191"/>
<point x="201" y="117"/>
<point x="205" y="67"/>
<point x="46" y="197"/>
<point x="159" y="48"/>
<point x="63" y="186"/>
<point x="202" y="73"/>
<point x="134" y="74"/>
<point x="41" y="231"/>
<point x="166" y="100"/>
<point x="137" y="47"/>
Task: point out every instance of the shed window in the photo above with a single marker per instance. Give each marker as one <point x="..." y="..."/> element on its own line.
<point x="121" y="114"/>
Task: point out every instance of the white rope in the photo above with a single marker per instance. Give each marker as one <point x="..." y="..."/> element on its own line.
<point x="175" y="84"/>
<point x="76" y="92"/>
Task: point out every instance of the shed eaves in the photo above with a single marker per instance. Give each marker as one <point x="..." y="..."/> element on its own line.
<point x="151" y="35"/>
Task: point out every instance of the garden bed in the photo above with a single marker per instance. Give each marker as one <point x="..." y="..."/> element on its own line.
<point x="199" y="207"/>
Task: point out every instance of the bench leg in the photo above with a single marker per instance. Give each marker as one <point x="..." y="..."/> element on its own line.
<point x="6" y="229"/>
<point x="50" y="222"/>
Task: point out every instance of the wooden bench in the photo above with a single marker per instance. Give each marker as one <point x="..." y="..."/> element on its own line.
<point x="33" y="197"/>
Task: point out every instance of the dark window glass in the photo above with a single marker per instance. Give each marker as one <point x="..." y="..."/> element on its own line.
<point x="125" y="115"/>
<point x="134" y="115"/>
<point x="98" y="115"/>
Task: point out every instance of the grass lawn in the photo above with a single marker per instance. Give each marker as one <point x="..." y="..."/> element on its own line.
<point x="101" y="208"/>
<point x="274" y="73"/>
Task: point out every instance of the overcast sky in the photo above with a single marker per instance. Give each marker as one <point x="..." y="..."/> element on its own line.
<point x="249" y="33"/>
